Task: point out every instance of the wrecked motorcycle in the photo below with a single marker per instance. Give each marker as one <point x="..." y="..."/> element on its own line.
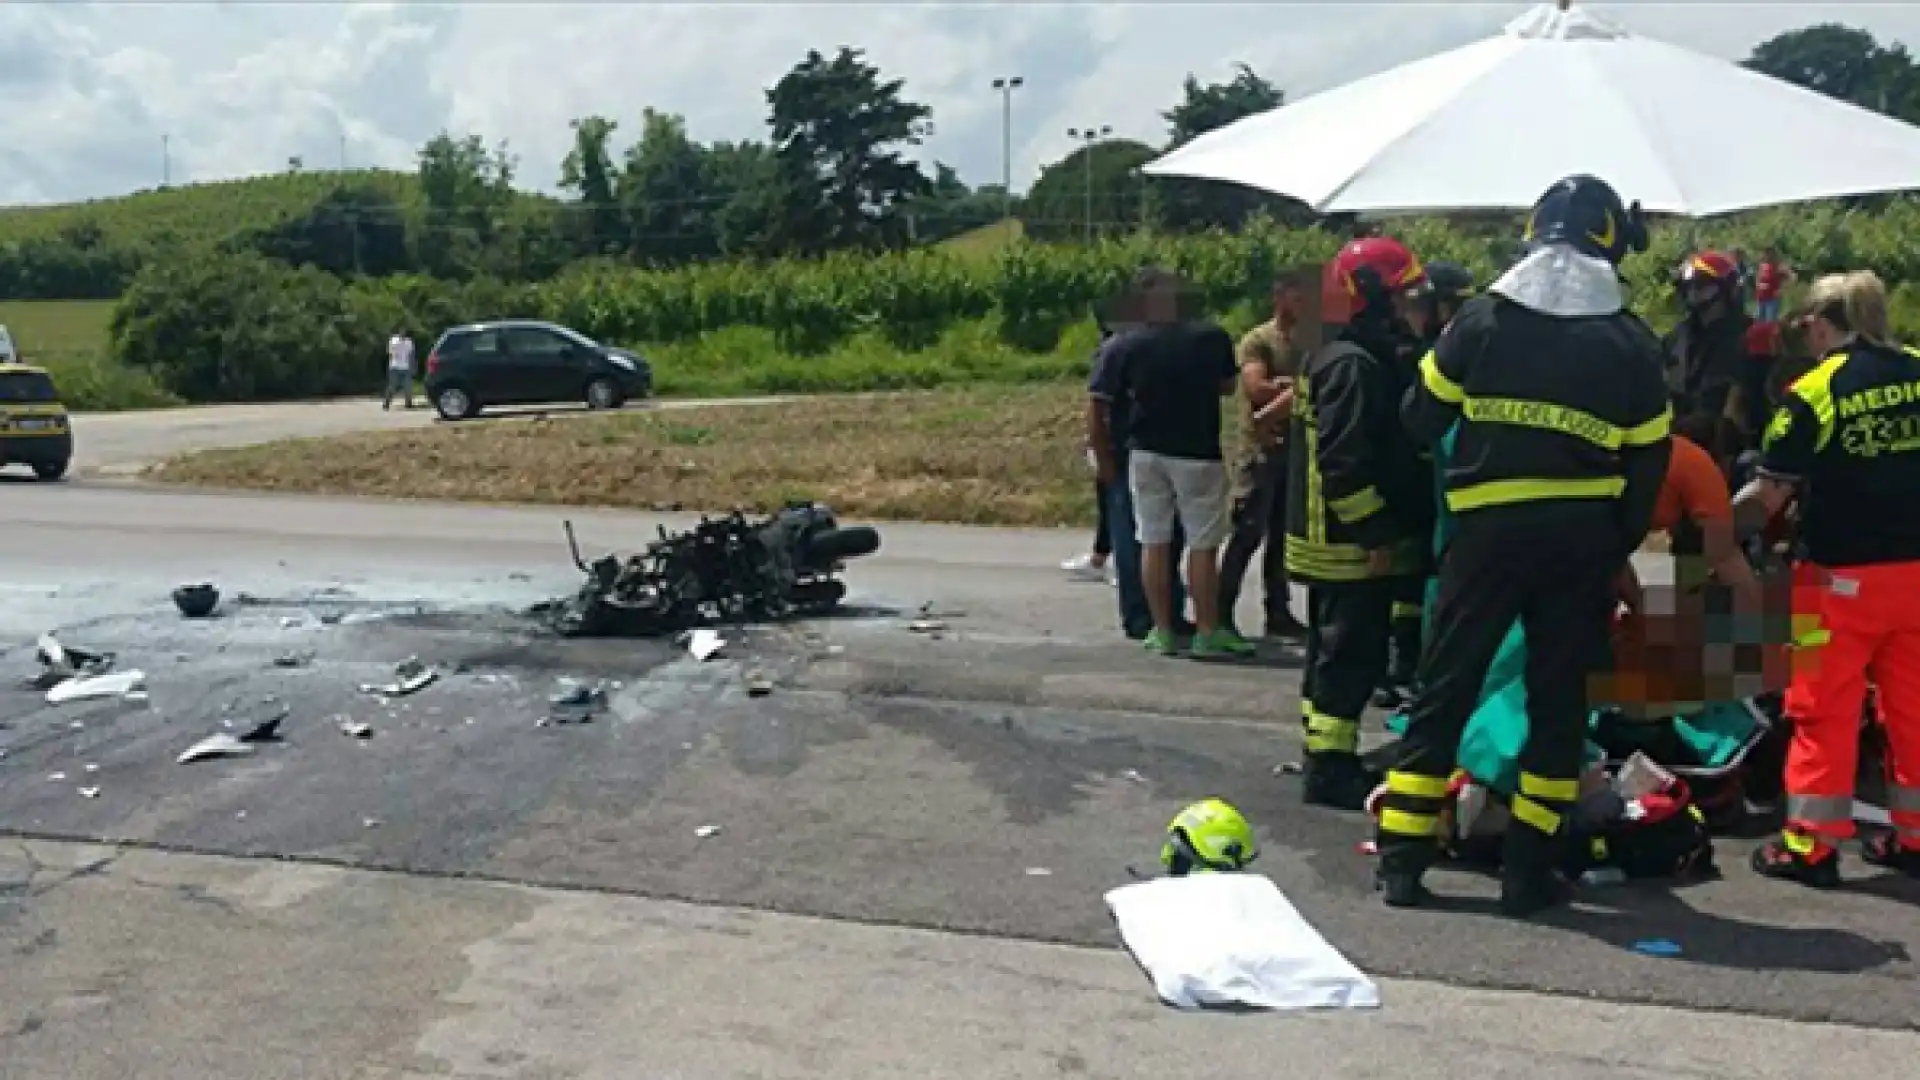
<point x="726" y="569"/>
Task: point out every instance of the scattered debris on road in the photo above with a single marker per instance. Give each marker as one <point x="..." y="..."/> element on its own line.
<point x="84" y="688"/>
<point x="705" y="831"/>
<point x="89" y="792"/>
<point x="410" y="677"/>
<point x="219" y="745"/>
<point x="705" y="644"/>
<point x="758" y="685"/>
<point x="196" y="601"/>
<point x="267" y="729"/>
<point x="575" y="692"/>
<point x="59" y="663"/>
<point x="356" y="729"/>
<point x="574" y="702"/>
<point x="725" y="569"/>
<point x="931" y="627"/>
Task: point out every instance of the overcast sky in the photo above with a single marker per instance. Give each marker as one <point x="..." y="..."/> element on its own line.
<point x="87" y="90"/>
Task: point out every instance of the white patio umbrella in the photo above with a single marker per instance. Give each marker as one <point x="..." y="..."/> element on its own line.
<point x="1557" y="92"/>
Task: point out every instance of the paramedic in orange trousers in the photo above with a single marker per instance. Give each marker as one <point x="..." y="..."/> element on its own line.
<point x="1849" y="431"/>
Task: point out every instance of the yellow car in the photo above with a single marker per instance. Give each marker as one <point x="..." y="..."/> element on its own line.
<point x="34" y="428"/>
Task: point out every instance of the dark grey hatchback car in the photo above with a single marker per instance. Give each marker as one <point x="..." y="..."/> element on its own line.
<point x="522" y="362"/>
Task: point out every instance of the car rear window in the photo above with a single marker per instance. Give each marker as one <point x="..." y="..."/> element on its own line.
<point x="17" y="386"/>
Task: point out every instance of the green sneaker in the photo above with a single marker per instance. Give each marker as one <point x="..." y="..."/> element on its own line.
<point x="1221" y="644"/>
<point x="1159" y="641"/>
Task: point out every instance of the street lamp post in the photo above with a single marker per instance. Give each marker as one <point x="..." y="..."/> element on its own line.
<point x="1089" y="135"/>
<point x="1007" y="85"/>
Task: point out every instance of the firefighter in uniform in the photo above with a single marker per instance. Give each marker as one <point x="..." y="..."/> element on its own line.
<point x="1557" y="400"/>
<point x="1449" y="286"/>
<point x="1849" y="432"/>
<point x="1712" y="374"/>
<point x="1359" y="506"/>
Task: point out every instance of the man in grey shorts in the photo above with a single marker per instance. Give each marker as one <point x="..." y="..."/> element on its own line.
<point x="1173" y="374"/>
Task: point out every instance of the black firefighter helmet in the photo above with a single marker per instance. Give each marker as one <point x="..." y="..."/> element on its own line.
<point x="1451" y="282"/>
<point x="1585" y="213"/>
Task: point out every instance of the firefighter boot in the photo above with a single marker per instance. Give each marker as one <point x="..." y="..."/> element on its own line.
<point x="1883" y="849"/>
<point x="1795" y="856"/>
<point x="1530" y="881"/>
<point x="1403" y="863"/>
<point x="1341" y="781"/>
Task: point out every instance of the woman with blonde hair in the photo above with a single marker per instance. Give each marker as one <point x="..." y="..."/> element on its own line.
<point x="1847" y="438"/>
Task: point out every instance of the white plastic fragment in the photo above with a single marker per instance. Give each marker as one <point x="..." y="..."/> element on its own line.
<point x="705" y="831"/>
<point x="704" y="643"/>
<point x="112" y="684"/>
<point x="213" y="746"/>
<point x="410" y="676"/>
<point x="89" y="792"/>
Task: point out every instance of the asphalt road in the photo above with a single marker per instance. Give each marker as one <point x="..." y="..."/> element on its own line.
<point x="995" y="780"/>
<point x="119" y="444"/>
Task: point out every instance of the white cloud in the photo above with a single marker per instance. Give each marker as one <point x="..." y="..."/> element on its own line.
<point x="88" y="90"/>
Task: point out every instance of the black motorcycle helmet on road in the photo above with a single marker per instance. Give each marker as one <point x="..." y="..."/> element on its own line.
<point x="1585" y="213"/>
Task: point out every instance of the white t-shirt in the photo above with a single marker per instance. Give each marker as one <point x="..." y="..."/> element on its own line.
<point x="400" y="353"/>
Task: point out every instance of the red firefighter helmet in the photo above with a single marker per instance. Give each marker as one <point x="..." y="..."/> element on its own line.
<point x="1363" y="277"/>
<point x="1709" y="268"/>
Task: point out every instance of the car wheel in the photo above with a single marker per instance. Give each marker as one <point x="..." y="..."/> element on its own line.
<point x="603" y="393"/>
<point x="453" y="403"/>
<point x="50" y="470"/>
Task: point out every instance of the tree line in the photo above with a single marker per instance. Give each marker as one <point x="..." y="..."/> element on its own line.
<point x="832" y="175"/>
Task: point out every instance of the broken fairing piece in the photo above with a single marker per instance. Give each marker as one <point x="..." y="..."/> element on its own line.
<point x="410" y="676"/>
<point x="576" y="693"/>
<point x="268" y="729"/>
<point x="58" y="663"/>
<point x="705" y="643"/>
<point x="214" y="746"/>
<point x="112" y="684"/>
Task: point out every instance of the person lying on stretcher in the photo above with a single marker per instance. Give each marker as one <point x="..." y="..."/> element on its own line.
<point x="1671" y="661"/>
<point x="1665" y="655"/>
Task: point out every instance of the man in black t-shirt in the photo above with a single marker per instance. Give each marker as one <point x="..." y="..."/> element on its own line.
<point x="1172" y="375"/>
<point x="1108" y="420"/>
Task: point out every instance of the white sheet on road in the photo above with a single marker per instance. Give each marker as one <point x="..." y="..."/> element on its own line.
<point x="1233" y="939"/>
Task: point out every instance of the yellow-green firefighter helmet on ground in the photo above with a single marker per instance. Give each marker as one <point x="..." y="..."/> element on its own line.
<point x="1209" y="835"/>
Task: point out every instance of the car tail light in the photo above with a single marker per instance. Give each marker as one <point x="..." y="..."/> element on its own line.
<point x="433" y="361"/>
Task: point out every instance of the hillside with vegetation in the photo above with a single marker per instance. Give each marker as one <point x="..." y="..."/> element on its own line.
<point x="822" y="258"/>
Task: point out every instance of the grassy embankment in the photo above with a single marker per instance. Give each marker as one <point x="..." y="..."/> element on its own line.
<point x="69" y="338"/>
<point x="975" y="455"/>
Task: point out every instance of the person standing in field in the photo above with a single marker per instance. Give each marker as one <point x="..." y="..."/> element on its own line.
<point x="399" y="369"/>
<point x="1269" y="361"/>
<point x="1770" y="280"/>
<point x="1173" y="372"/>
